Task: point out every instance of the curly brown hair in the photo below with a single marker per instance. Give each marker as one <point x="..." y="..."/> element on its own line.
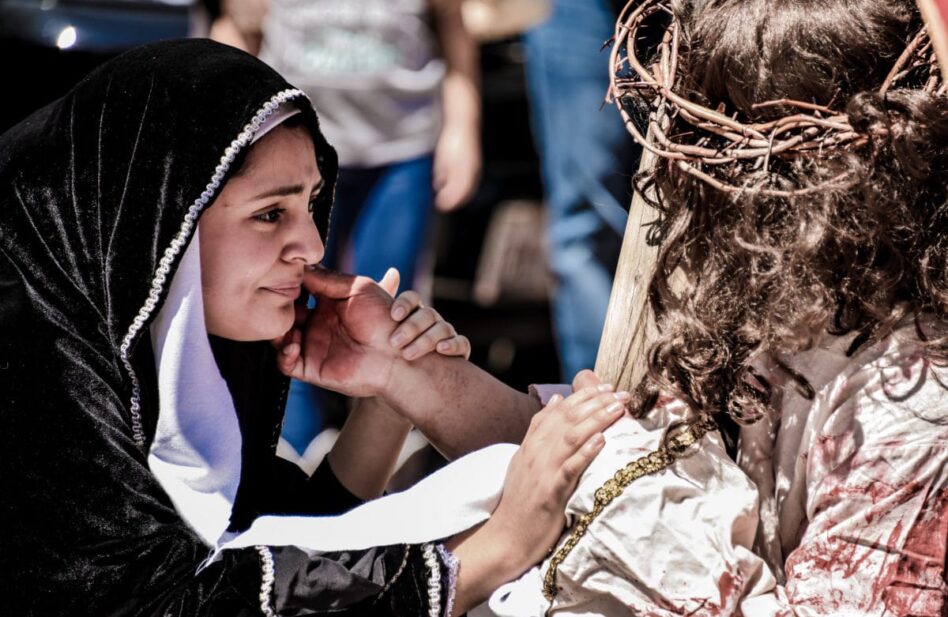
<point x="770" y="274"/>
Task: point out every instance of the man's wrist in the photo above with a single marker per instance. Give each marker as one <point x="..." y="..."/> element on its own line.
<point x="391" y="391"/>
<point x="414" y="388"/>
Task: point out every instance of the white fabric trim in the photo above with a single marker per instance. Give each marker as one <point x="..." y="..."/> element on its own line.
<point x="283" y="113"/>
<point x="267" y="578"/>
<point x="451" y="500"/>
<point x="196" y="451"/>
<point x="434" y="580"/>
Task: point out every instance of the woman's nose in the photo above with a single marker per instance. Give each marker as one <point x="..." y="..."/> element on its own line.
<point x="305" y="244"/>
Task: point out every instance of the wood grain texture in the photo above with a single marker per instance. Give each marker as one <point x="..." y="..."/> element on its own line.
<point x="629" y="325"/>
<point x="935" y="13"/>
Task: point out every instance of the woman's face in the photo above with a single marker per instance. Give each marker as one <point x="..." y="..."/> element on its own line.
<point x="258" y="235"/>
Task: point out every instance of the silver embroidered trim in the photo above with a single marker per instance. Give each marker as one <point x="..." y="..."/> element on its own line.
<point x="180" y="241"/>
<point x="453" y="565"/>
<point x="267" y="577"/>
<point x="434" y="580"/>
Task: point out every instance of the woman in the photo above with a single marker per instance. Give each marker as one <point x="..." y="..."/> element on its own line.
<point x="141" y="399"/>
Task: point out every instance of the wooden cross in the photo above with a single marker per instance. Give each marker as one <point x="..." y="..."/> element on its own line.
<point x="935" y="13"/>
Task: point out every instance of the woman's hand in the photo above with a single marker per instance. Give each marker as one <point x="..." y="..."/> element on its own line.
<point x="563" y="439"/>
<point x="561" y="442"/>
<point x="423" y="329"/>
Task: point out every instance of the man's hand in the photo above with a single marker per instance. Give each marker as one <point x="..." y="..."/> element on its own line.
<point x="342" y="344"/>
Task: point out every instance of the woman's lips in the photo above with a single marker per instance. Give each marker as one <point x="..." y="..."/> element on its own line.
<point x="288" y="291"/>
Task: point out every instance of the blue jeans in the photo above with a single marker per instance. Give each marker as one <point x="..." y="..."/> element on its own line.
<point x="587" y="161"/>
<point x="380" y="219"/>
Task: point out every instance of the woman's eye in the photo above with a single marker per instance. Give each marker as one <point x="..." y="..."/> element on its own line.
<point x="312" y="204"/>
<point x="270" y="216"/>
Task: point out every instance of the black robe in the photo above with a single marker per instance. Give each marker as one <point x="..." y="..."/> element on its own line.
<point x="94" y="189"/>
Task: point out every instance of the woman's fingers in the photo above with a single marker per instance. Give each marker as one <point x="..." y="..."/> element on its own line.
<point x="598" y="415"/>
<point x="574" y="466"/>
<point x="405" y="304"/>
<point x="457" y="345"/>
<point x="578" y="412"/>
<point x="289" y="354"/>
<point x="428" y="340"/>
<point x="580" y="434"/>
<point x="584" y="379"/>
<point x="564" y="426"/>
<point x="580" y="397"/>
<point x="423" y="330"/>
<point x="414" y="325"/>
<point x="558" y="404"/>
<point x="563" y="439"/>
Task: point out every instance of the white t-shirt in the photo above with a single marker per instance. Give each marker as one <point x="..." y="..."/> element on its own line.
<point x="372" y="68"/>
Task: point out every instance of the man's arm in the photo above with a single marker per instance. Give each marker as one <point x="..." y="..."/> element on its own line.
<point x="459" y="407"/>
<point x="364" y="455"/>
<point x="344" y="345"/>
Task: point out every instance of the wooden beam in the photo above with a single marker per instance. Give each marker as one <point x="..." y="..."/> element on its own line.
<point x="629" y="326"/>
<point x="935" y="13"/>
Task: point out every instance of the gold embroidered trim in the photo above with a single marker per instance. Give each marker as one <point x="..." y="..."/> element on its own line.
<point x="679" y="437"/>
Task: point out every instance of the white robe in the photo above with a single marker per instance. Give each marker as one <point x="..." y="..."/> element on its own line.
<point x="852" y="516"/>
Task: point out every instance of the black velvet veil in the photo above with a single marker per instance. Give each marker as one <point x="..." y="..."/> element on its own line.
<point x="100" y="193"/>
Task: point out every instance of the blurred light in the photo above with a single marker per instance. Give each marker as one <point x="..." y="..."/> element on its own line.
<point x="67" y="38"/>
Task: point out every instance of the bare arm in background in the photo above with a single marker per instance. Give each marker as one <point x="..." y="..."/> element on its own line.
<point x="240" y="24"/>
<point x="457" y="155"/>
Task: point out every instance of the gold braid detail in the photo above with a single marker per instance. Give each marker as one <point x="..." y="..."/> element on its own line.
<point x="678" y="439"/>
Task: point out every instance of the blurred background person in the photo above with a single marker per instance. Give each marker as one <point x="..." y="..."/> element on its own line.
<point x="587" y="160"/>
<point x="396" y="84"/>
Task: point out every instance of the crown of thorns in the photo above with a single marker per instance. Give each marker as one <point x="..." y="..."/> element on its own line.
<point x="718" y="139"/>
